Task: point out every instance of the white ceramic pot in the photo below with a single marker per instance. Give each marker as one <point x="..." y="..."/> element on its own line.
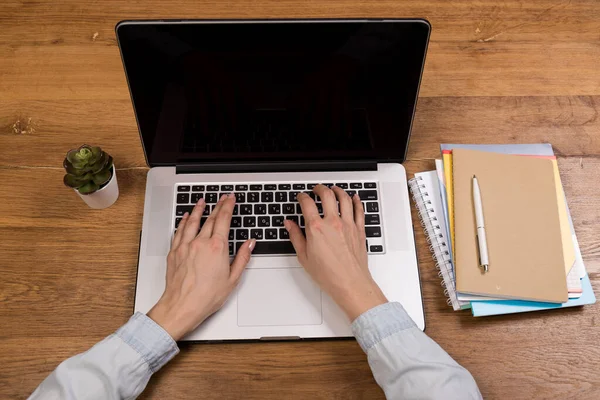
<point x="104" y="197"/>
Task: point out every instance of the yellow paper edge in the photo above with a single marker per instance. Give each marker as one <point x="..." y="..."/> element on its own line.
<point x="447" y="159"/>
<point x="563" y="216"/>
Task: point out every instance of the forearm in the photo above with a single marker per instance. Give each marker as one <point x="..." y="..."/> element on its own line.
<point x="406" y="363"/>
<point x="118" y="367"/>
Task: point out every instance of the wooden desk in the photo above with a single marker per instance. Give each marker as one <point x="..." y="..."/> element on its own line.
<point x="501" y="72"/>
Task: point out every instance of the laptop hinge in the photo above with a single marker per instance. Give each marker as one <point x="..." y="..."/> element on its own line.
<point x="277" y="166"/>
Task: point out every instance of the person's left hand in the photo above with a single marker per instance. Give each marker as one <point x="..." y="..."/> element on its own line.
<point x="199" y="277"/>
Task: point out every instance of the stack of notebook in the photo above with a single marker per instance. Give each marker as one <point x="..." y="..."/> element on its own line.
<point x="534" y="257"/>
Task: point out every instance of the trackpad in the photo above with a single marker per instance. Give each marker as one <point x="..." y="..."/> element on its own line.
<point x="275" y="297"/>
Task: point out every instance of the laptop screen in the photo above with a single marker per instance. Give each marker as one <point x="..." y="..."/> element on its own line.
<point x="273" y="91"/>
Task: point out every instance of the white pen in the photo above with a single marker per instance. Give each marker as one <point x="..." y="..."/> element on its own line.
<point x="481" y="239"/>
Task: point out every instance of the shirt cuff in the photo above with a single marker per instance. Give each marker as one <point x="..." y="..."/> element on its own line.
<point x="372" y="326"/>
<point x="149" y="339"/>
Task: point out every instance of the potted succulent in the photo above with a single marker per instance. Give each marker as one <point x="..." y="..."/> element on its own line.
<point x="91" y="173"/>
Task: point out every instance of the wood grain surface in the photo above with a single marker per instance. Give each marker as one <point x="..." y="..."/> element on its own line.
<point x="496" y="72"/>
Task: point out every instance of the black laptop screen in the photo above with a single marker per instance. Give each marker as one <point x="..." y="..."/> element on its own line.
<point x="317" y="90"/>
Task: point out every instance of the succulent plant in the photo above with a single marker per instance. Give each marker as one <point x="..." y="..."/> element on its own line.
<point x="88" y="169"/>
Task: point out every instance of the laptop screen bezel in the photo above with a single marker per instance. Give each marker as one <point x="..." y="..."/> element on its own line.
<point x="400" y="159"/>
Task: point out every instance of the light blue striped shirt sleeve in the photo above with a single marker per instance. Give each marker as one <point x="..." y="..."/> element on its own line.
<point x="407" y="363"/>
<point x="119" y="367"/>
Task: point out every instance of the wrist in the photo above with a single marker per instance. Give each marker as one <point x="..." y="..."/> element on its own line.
<point x="173" y="324"/>
<point x="359" y="300"/>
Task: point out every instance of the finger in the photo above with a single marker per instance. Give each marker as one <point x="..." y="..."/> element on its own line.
<point x="241" y="260"/>
<point x="346" y="206"/>
<point x="223" y="218"/>
<point x="328" y="199"/>
<point x="296" y="237"/>
<point x="359" y="214"/>
<point x="207" y="229"/>
<point x="308" y="206"/>
<point x="193" y="223"/>
<point x="179" y="233"/>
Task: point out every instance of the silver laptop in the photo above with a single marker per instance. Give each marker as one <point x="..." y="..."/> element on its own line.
<point x="268" y="109"/>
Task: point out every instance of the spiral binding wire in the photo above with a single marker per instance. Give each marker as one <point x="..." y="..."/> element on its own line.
<point x="439" y="249"/>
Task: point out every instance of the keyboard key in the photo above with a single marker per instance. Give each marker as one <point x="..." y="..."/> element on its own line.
<point x="329" y="185"/>
<point x="198" y="188"/>
<point x="245" y="209"/>
<point x="243" y="187"/>
<point x="256" y="234"/>
<point x="206" y="210"/>
<point x="372" y="207"/>
<point x="183" y="198"/>
<point x="356" y="185"/>
<point x="298" y="186"/>
<point x="289" y="208"/>
<point x="372" y="219"/>
<point x="253" y="197"/>
<point x="271" y="234"/>
<point x="240" y="197"/>
<point x="236" y="209"/>
<point x="241" y="234"/>
<point x="311" y="186"/>
<point x="236" y="222"/>
<point x="320" y="208"/>
<point x="270" y="187"/>
<point x="260" y="209"/>
<point x="277" y="221"/>
<point x="283" y="233"/>
<point x="222" y="194"/>
<point x="293" y="196"/>
<point x="312" y="195"/>
<point x="293" y="218"/>
<point x="284" y="186"/>
<point x="255" y="187"/>
<point x="212" y="188"/>
<point x="180" y="210"/>
<point x="298" y="209"/>
<point x="231" y="234"/>
<point x="376" y="248"/>
<point x="373" y="231"/>
<point x="265" y="247"/>
<point x="183" y="188"/>
<point x="203" y="221"/>
<point x="368" y="194"/>
<point x="264" y="221"/>
<point x="274" y="208"/>
<point x="302" y="221"/>
<point x="342" y="185"/>
<point x="196" y="197"/>
<point x="211" y="197"/>
<point x="230" y="248"/>
<point x="227" y="188"/>
<point x="281" y="197"/>
<point x="177" y="221"/>
<point x="370" y="185"/>
<point x="249" y="222"/>
<point x="351" y="193"/>
<point x="266" y="197"/>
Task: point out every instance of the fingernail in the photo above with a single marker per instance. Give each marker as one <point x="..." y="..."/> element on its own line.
<point x="186" y="214"/>
<point x="231" y="195"/>
<point x="223" y="197"/>
<point x="200" y="201"/>
<point x="252" y="244"/>
<point x="286" y="224"/>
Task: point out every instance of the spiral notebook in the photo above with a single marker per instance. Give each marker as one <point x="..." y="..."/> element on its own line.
<point x="426" y="194"/>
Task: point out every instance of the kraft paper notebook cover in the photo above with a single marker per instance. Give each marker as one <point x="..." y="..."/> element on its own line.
<point x="521" y="213"/>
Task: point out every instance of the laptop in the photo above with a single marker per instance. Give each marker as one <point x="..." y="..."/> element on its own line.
<point x="266" y="110"/>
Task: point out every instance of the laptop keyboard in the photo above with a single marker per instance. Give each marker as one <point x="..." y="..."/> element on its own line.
<point x="260" y="210"/>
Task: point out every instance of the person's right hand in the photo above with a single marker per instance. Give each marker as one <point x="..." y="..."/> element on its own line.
<point x="334" y="250"/>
